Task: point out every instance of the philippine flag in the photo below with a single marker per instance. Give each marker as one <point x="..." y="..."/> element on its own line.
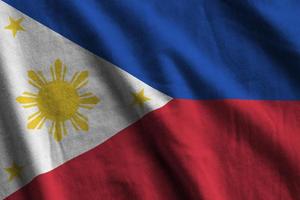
<point x="149" y="100"/>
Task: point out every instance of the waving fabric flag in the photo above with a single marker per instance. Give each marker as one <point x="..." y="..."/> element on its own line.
<point x="150" y="100"/>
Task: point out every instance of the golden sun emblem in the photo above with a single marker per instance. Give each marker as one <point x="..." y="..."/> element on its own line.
<point x="58" y="100"/>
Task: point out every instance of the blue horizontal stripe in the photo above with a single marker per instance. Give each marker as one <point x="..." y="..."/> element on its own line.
<point x="188" y="49"/>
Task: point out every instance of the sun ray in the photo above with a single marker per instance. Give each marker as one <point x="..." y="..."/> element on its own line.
<point x="86" y="107"/>
<point x="89" y="101"/>
<point x="30" y="105"/>
<point x="65" y="128"/>
<point x="82" y="77"/>
<point x="82" y="116"/>
<point x="57" y="131"/>
<point x="36" y="121"/>
<point x="64" y="73"/>
<point x="81" y="123"/>
<point x="74" y="124"/>
<point x="82" y="85"/>
<point x="33" y="115"/>
<point x="40" y="73"/>
<point x="30" y="94"/>
<point x="42" y="123"/>
<point x="58" y="69"/>
<point x="74" y="77"/>
<point x="35" y="78"/>
<point x="52" y="73"/>
<point x="26" y="100"/>
<point x="86" y="94"/>
<point x="34" y="84"/>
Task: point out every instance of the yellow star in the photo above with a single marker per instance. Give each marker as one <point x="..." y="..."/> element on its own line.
<point x="140" y="98"/>
<point x="15" y="25"/>
<point x="14" y="171"/>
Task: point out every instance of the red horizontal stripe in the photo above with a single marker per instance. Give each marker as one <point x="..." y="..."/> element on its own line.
<point x="212" y="150"/>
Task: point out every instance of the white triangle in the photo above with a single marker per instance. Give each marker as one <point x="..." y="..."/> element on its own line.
<point x="37" y="48"/>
